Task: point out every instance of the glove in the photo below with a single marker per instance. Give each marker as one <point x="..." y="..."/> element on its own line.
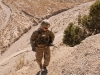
<point x="34" y="49"/>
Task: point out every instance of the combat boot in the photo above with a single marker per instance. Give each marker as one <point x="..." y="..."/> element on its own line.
<point x="45" y="68"/>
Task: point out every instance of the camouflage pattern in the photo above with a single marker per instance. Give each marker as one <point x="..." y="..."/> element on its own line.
<point x="45" y="23"/>
<point x="40" y="55"/>
<point x="39" y="40"/>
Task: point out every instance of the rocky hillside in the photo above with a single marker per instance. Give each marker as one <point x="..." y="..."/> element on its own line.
<point x="18" y="16"/>
<point x="83" y="59"/>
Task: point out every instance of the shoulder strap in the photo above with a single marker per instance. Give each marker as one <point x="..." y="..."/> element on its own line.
<point x="39" y="31"/>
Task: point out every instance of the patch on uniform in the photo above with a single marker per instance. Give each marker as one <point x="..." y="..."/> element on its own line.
<point x="43" y="35"/>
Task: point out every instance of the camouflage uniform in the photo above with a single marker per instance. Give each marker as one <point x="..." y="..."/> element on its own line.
<point x="41" y="40"/>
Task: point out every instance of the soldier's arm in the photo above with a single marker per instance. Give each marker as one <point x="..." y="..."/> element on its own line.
<point x="33" y="37"/>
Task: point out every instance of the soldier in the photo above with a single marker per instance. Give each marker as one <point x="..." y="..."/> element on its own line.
<point x="41" y="40"/>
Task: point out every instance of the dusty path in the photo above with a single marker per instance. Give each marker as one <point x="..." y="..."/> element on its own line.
<point x="25" y="49"/>
<point x="24" y="40"/>
<point x="13" y="55"/>
<point x="8" y="13"/>
<point x="21" y="45"/>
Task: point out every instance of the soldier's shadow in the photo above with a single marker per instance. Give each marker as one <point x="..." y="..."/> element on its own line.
<point x="43" y="73"/>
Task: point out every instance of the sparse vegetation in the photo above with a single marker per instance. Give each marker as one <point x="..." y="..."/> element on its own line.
<point x="72" y="35"/>
<point x="27" y="14"/>
<point x="92" y="21"/>
<point x="80" y="60"/>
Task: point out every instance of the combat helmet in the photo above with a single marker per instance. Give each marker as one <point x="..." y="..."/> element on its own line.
<point x="45" y="23"/>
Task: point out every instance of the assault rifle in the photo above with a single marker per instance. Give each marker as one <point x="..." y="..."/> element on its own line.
<point x="52" y="45"/>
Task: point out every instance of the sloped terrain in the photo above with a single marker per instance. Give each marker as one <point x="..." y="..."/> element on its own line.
<point x="21" y="15"/>
<point x="83" y="59"/>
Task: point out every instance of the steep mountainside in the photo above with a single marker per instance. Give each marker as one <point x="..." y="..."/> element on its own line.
<point x="21" y="15"/>
<point x="83" y="59"/>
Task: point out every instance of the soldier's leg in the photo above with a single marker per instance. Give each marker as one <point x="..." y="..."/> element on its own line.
<point x="46" y="57"/>
<point x="39" y="55"/>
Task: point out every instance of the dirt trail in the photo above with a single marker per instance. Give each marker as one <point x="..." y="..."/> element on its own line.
<point x="23" y="42"/>
<point x="8" y="13"/>
<point x="13" y="55"/>
<point x="21" y="51"/>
